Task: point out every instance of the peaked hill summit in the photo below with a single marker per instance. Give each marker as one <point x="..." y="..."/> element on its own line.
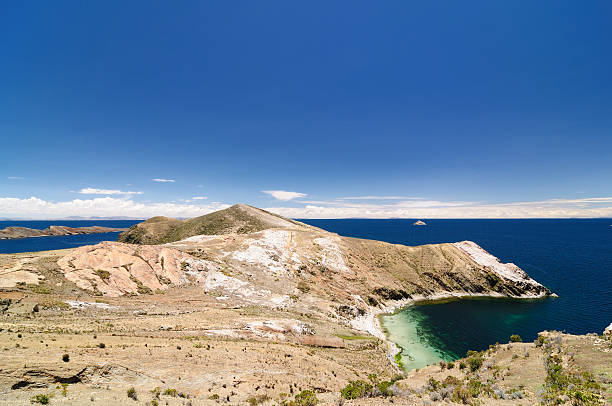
<point x="237" y="219"/>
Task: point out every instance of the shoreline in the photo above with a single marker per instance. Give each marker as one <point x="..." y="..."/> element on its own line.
<point x="371" y="321"/>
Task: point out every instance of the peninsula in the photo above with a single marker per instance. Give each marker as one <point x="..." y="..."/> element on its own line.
<point x="247" y="307"/>
<point x="23" y="232"/>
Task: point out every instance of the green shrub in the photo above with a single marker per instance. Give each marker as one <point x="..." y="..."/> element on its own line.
<point x="475" y="362"/>
<point x="305" y="398"/>
<point x="101" y="345"/>
<point x="170" y="392"/>
<point x="65" y="357"/>
<point x="515" y="338"/>
<point x="384" y="388"/>
<point x="102" y="274"/>
<point x="256" y="400"/>
<point x="40" y="399"/>
<point x="131" y="393"/>
<point x="356" y="389"/>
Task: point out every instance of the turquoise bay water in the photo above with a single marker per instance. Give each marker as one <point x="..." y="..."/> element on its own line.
<point x="572" y="257"/>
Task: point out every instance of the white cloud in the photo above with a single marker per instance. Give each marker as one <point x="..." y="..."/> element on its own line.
<point x="553" y="208"/>
<point x="95" y="191"/>
<point x="163" y="180"/>
<point x="36" y="208"/>
<point x="199" y="198"/>
<point x="15" y="177"/>
<point x="378" y="198"/>
<point x="284" y="195"/>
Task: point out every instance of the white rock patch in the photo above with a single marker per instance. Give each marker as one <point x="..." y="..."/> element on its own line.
<point x="272" y="251"/>
<point x="507" y="271"/>
<point x="243" y="290"/>
<point x="83" y="305"/>
<point x="331" y="257"/>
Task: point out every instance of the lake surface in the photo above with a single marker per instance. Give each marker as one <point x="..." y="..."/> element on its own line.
<point x="61" y="241"/>
<point x="572" y="257"/>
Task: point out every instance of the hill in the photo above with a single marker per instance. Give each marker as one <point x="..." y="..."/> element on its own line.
<point x="237" y="219"/>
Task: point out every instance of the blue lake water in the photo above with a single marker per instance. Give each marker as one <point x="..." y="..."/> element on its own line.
<point x="63" y="241"/>
<point x="572" y="257"/>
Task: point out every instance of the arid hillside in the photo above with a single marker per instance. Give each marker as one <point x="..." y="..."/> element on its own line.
<point x="282" y="312"/>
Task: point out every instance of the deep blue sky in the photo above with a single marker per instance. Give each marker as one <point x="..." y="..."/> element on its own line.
<point x="481" y="101"/>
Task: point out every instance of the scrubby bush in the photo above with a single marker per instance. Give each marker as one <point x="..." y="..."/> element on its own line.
<point x="40" y="399"/>
<point x="256" y="400"/>
<point x="131" y="393"/>
<point x="356" y="389"/>
<point x="305" y="398"/>
<point x="171" y="392"/>
<point x="65" y="357"/>
<point x="102" y="345"/>
<point x="475" y="362"/>
<point x="515" y="338"/>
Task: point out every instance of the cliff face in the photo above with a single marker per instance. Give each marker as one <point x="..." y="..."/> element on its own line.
<point x="23" y="232"/>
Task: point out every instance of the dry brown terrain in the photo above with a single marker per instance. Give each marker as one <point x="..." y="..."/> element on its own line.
<point x="248" y="318"/>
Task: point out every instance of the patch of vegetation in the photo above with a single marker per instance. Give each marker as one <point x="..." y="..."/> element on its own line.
<point x="305" y="398"/>
<point x="66" y="358"/>
<point x="257" y="400"/>
<point x="303" y="287"/>
<point x="102" y="274"/>
<point x="474" y="360"/>
<point x="356" y="389"/>
<point x="131" y="393"/>
<point x="101" y="345"/>
<point x="40" y="289"/>
<point x="214" y="396"/>
<point x="171" y="392"/>
<point x="41" y="399"/>
<point x="141" y="289"/>
<point x="580" y="387"/>
<point x="398" y="360"/>
<point x="515" y="338"/>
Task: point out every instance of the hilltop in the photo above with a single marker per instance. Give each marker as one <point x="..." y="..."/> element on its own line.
<point x="237" y="219"/>
<point x="254" y="309"/>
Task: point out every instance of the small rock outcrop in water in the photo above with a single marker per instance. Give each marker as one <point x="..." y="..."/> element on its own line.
<point x="24" y="232"/>
<point x="419" y="223"/>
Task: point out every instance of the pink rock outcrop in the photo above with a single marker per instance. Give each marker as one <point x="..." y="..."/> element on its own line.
<point x="115" y="269"/>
